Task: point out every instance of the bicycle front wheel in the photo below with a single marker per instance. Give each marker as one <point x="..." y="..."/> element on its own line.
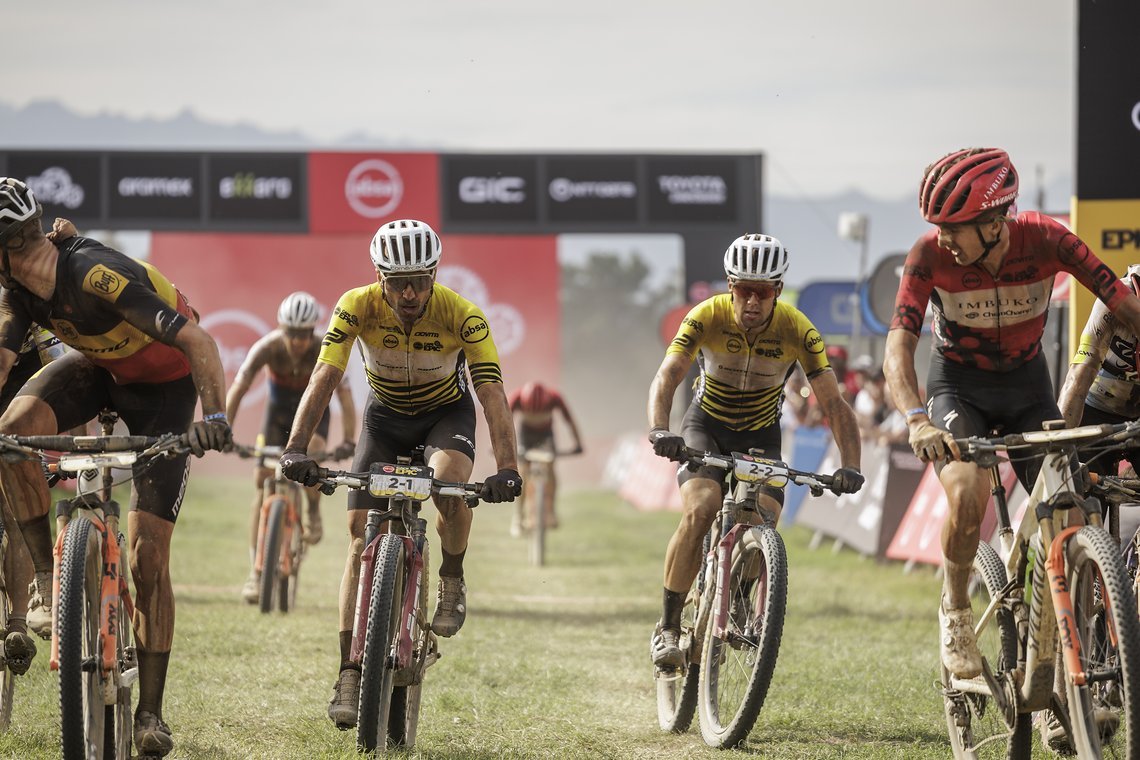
<point x="737" y="669"/>
<point x="383" y="626"/>
<point x="404" y="716"/>
<point x="119" y="719"/>
<point x="1104" y="711"/>
<point x="81" y="702"/>
<point x="271" y="553"/>
<point x="293" y="548"/>
<point x="977" y="729"/>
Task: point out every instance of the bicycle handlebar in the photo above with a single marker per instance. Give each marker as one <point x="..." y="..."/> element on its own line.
<point x="272" y="452"/>
<point x="357" y="481"/>
<point x="749" y="468"/>
<point x="32" y="446"/>
<point x="983" y="451"/>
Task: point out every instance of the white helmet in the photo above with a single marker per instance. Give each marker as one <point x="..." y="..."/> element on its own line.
<point x="756" y="257"/>
<point x="17" y="205"/>
<point x="298" y="310"/>
<point x="405" y="246"/>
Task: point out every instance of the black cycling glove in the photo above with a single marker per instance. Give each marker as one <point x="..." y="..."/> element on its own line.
<point x="209" y="435"/>
<point x="666" y="444"/>
<point x="846" y="480"/>
<point x="300" y="467"/>
<point x="504" y="485"/>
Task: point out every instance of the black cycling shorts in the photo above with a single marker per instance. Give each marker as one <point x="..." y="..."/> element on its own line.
<point x="279" y="412"/>
<point x="704" y="432"/>
<point x="535" y="438"/>
<point x="970" y="401"/>
<point x="387" y="435"/>
<point x="27" y="364"/>
<point x="77" y="391"/>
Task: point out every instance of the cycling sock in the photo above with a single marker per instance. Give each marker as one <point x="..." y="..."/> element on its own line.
<point x="17" y="623"/>
<point x="345" y="647"/>
<point x="37" y="537"/>
<point x="673" y="604"/>
<point x="152" y="681"/>
<point x="452" y="565"/>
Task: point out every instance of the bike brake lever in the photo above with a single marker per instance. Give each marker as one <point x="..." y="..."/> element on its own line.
<point x="328" y="489"/>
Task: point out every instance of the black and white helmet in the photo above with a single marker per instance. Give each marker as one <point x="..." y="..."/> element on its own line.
<point x="756" y="257"/>
<point x="405" y="245"/>
<point x="17" y="205"/>
<point x="298" y="310"/>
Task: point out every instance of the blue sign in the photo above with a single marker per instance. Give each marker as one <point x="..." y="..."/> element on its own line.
<point x="830" y="306"/>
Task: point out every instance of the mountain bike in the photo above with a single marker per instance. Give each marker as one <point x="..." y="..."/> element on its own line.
<point x="733" y="616"/>
<point x="540" y="470"/>
<point x="1057" y="596"/>
<point x="91" y="629"/>
<point x="392" y="641"/>
<point x="280" y="543"/>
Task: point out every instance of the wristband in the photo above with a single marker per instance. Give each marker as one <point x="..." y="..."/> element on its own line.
<point x="916" y="411"/>
<point x="215" y="417"/>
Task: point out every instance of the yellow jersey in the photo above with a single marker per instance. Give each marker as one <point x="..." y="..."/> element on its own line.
<point x="742" y="384"/>
<point x="414" y="372"/>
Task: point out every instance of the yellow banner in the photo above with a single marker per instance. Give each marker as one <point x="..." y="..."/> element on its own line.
<point x="1112" y="230"/>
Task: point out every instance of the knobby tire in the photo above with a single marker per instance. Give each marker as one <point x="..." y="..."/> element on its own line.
<point x="271" y="553"/>
<point x="736" y="674"/>
<point x="383" y="624"/>
<point x="81" y="705"/>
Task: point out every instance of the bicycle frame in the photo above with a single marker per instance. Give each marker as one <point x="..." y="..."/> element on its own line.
<point x="278" y="485"/>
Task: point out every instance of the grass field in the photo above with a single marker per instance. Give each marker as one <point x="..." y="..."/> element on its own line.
<point x="552" y="662"/>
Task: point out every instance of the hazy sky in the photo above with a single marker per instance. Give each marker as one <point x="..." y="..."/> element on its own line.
<point x="837" y="94"/>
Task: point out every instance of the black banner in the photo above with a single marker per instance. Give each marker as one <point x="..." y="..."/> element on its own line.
<point x="256" y="188"/>
<point x="155" y="188"/>
<point x="67" y="184"/>
<point x="591" y="189"/>
<point x="1108" y="101"/>
<point x="492" y="189"/>
<point x="692" y="189"/>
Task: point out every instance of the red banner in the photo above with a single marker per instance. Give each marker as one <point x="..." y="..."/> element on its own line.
<point x="357" y="192"/>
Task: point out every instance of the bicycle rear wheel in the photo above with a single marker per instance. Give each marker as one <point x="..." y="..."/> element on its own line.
<point x="977" y="728"/>
<point x="81" y="703"/>
<point x="7" y="678"/>
<point x="1105" y="712"/>
<point x="677" y="687"/>
<point x="271" y="553"/>
<point x="737" y="669"/>
<point x="383" y="625"/>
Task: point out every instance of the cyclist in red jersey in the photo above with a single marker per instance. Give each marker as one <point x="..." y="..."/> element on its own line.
<point x="988" y="275"/>
<point x="138" y="350"/>
<point x="533" y="407"/>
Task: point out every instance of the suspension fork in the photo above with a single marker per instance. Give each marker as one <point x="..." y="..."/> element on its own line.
<point x="1063" y="604"/>
<point x="723" y="597"/>
<point x="363" y="595"/>
<point x="413" y="544"/>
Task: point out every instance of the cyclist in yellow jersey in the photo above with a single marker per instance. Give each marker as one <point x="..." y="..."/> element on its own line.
<point x="419" y="341"/>
<point x="749" y="344"/>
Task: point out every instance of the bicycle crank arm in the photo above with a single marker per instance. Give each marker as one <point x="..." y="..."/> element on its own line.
<point x="1005" y="699"/>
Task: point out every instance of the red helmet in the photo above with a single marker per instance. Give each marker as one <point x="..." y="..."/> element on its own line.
<point x="837" y="352"/>
<point x="534" y="398"/>
<point x="961" y="186"/>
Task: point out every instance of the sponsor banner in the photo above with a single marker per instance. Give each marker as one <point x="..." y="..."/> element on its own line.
<point x="852" y="519"/>
<point x="1112" y="230"/>
<point x="830" y="306"/>
<point x="258" y="189"/>
<point x="591" y="189"/>
<point x="67" y="184"/>
<point x="154" y="188"/>
<point x="1108" y="101"/>
<point x="357" y="192"/>
<point x="490" y="189"/>
<point x="807" y="449"/>
<point x="237" y="281"/>
<point x="692" y="189"/>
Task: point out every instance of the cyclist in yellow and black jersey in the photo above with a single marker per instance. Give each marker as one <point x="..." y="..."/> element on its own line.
<point x="748" y="343"/>
<point x="419" y="341"/>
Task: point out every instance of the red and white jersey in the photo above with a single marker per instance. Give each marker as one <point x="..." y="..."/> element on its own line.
<point x="995" y="322"/>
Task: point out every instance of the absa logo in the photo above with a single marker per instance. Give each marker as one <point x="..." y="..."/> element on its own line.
<point x="373" y="188"/>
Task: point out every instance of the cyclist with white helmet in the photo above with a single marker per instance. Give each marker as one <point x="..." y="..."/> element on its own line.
<point x="988" y="275"/>
<point x="749" y="343"/>
<point x="288" y="354"/>
<point x="419" y="341"/>
<point x="1103" y="384"/>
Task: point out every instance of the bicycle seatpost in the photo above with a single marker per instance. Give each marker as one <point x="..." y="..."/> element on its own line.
<point x="1001" y="506"/>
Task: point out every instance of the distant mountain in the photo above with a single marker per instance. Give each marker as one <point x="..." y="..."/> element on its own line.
<point x="808" y="226"/>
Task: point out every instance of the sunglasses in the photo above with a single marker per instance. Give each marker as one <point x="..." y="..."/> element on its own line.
<point x="398" y="284"/>
<point x="298" y="333"/>
<point x="761" y="290"/>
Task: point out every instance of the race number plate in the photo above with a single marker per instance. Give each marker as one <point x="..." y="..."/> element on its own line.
<point x="749" y="469"/>
<point x="83" y="462"/>
<point x="401" y="480"/>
